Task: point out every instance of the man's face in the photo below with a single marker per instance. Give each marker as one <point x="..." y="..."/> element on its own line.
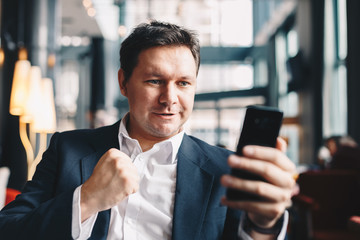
<point x="160" y="92"/>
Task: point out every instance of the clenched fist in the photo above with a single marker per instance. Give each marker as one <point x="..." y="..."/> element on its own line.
<point x="114" y="178"/>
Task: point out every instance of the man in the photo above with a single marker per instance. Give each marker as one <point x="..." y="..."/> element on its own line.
<point x="343" y="153"/>
<point x="143" y="178"/>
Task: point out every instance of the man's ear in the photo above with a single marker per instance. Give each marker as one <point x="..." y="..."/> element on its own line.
<point x="122" y="82"/>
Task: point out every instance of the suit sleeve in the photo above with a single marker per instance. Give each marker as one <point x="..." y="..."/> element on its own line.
<point x="41" y="211"/>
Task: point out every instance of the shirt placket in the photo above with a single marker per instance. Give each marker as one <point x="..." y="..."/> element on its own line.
<point x="133" y="207"/>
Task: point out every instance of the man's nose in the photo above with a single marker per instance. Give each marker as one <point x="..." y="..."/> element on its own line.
<point x="169" y="95"/>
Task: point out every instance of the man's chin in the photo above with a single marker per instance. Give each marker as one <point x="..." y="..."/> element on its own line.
<point x="165" y="133"/>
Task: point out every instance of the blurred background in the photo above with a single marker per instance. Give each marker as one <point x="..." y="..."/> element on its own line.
<point x="298" y="55"/>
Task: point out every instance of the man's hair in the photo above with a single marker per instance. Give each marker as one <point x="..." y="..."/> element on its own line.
<point x="153" y="34"/>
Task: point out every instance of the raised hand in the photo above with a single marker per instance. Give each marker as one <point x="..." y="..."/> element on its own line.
<point x="274" y="166"/>
<point x="114" y="178"/>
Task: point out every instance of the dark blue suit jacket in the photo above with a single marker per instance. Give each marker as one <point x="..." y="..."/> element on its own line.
<point x="44" y="209"/>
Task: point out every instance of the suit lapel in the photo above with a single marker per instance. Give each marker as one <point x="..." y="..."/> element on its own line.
<point x="100" y="144"/>
<point x="193" y="188"/>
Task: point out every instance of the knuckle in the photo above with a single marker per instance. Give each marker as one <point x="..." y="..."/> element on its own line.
<point x="267" y="169"/>
<point x="288" y="182"/>
<point x="115" y="163"/>
<point x="289" y="204"/>
<point x="260" y="189"/>
<point x="112" y="153"/>
<point x="278" y="156"/>
<point x="291" y="182"/>
<point x="120" y="171"/>
<point x="126" y="181"/>
<point x="278" y="210"/>
<point x="286" y="196"/>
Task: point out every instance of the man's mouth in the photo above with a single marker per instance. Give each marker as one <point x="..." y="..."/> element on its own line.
<point x="164" y="114"/>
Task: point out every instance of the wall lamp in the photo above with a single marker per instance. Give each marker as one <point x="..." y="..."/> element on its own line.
<point x="32" y="99"/>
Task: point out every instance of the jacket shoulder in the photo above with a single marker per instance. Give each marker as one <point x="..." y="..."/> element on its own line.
<point x="82" y="141"/>
<point x="210" y="149"/>
<point x="89" y="133"/>
<point x="209" y="157"/>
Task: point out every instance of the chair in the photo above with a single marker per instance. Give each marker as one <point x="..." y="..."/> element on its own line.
<point x="324" y="207"/>
<point x="11" y="195"/>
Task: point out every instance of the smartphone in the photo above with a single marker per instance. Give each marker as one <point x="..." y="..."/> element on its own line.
<point x="261" y="127"/>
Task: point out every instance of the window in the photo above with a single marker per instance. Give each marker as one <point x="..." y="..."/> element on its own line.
<point x="286" y="46"/>
<point x="224" y="77"/>
<point x="335" y="52"/>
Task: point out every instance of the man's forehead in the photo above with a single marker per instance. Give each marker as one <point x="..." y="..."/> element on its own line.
<point x="166" y="53"/>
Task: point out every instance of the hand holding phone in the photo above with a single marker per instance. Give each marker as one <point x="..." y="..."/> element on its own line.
<point x="261" y="127"/>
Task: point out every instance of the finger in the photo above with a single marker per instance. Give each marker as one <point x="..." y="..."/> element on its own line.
<point x="268" y="171"/>
<point x="295" y="190"/>
<point x="111" y="158"/>
<point x="266" y="190"/>
<point x="281" y="144"/>
<point x="269" y="154"/>
<point x="114" y="153"/>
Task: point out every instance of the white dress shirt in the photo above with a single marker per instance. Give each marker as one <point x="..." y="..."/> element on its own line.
<point x="146" y="214"/>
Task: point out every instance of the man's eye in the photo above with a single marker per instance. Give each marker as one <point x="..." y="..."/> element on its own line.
<point x="154" y="81"/>
<point x="183" y="84"/>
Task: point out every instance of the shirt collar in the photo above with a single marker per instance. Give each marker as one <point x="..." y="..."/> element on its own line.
<point x="174" y="141"/>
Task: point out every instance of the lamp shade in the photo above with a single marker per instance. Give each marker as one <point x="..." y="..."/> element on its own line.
<point x="33" y="101"/>
<point x="19" y="88"/>
<point x="2" y="56"/>
<point x="45" y="118"/>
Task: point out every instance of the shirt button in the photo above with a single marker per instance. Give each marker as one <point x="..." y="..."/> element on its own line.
<point x="129" y="221"/>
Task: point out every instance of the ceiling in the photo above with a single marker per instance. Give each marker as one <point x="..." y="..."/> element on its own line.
<point x="207" y="16"/>
<point x="76" y="22"/>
